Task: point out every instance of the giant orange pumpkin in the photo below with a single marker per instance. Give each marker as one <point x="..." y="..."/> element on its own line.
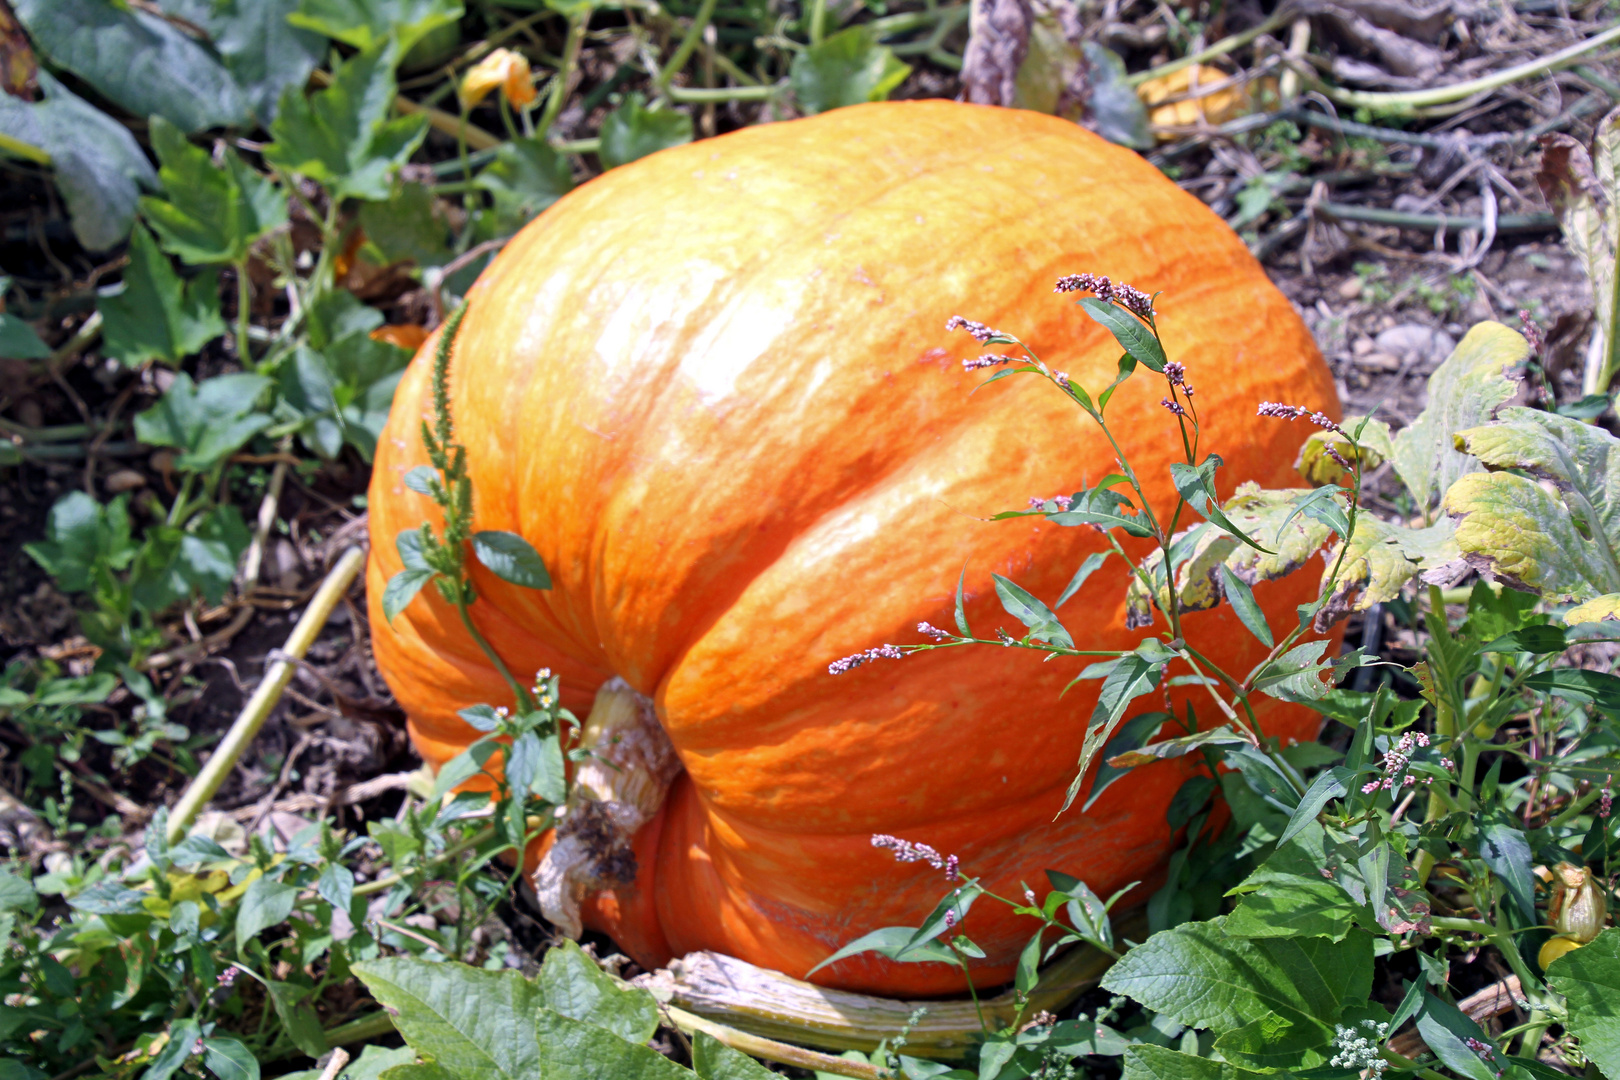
<point x="713" y="388"/>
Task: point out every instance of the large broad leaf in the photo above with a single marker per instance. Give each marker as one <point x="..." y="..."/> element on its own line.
<point x="1581" y="189"/>
<point x="525" y="177"/>
<point x="714" y="1060"/>
<point x="1145" y="1061"/>
<point x="633" y="131"/>
<point x="366" y="24"/>
<point x="574" y="1050"/>
<point x="212" y="214"/>
<point x="264" y="904"/>
<point x="205" y="423"/>
<point x="409" y="226"/>
<point x="1464" y="391"/>
<point x="341" y="136"/>
<point x="1269" y="516"/>
<point x="140" y="62"/>
<point x="98" y="165"/>
<point x="1264" y="998"/>
<point x="474" y="1023"/>
<point x="1379" y="559"/>
<point x="847" y="68"/>
<point x="264" y="53"/>
<point x="1288" y="897"/>
<point x="156" y="316"/>
<point x="1556" y="532"/>
<point x="1589" y="979"/>
<point x="575" y="987"/>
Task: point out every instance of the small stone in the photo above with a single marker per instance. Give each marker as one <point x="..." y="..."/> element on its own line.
<point x="1417" y="342"/>
<point x="1350" y="288"/>
<point x="1379" y="361"/>
<point x="1361" y="346"/>
<point x="123" y="480"/>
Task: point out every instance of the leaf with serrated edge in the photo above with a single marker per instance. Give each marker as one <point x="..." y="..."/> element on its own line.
<point x="1581" y="460"/>
<point x="474" y="1023"/>
<point x="1465" y="390"/>
<point x="1378" y="561"/>
<point x="574" y="986"/>
<point x="1202" y="976"/>
<point x="1589" y="979"/>
<point x="1604" y="608"/>
<point x="1288" y="897"/>
<point x="1517" y="531"/>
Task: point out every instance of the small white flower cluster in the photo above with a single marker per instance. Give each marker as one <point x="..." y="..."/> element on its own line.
<point x="1396" y="759"/>
<point x="1360" y="1051"/>
<point x="542" y="688"/>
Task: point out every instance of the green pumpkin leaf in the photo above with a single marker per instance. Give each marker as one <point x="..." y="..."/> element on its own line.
<point x="1202" y="976"/>
<point x="1287" y="896"/>
<point x="476" y="1024"/>
<point x="156" y="316"/>
<point x="525" y="177"/>
<point x="575" y="987"/>
<point x="264" y="53"/>
<point x="142" y="63"/>
<point x="409" y="226"/>
<point x="211" y="214"/>
<point x="714" y="1060"/>
<point x="1145" y="1061"/>
<point x="366" y="24"/>
<point x="632" y="131"/>
<point x="206" y="423"/>
<point x="572" y="1049"/>
<point x="98" y="166"/>
<point x="1589" y="979"/>
<point x="341" y="136"/>
<point x="846" y="68"/>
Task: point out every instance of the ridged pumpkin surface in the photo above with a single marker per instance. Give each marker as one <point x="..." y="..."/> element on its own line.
<point x="714" y="390"/>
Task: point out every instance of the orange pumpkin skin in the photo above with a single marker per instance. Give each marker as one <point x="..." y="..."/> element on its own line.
<point x="714" y="390"/>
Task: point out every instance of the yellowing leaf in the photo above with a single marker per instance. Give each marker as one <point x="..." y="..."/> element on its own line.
<point x="1602" y="609"/>
<point x="1466" y="390"/>
<point x="1318" y="466"/>
<point x="1381" y="558"/>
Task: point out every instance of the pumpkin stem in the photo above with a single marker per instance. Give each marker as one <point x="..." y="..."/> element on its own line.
<point x="616" y="791"/>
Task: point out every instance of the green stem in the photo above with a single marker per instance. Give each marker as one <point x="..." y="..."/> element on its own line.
<point x="519" y="692"/>
<point x="694" y="95"/>
<point x="244" y="301"/>
<point x="689" y="44"/>
<point x="1574" y="809"/>
<point x="570" y="59"/>
<point x="1406" y="101"/>
<point x="973" y="991"/>
<point x="818" y="21"/>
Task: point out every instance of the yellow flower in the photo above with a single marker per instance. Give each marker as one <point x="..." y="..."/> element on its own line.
<point x="502" y="68"/>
